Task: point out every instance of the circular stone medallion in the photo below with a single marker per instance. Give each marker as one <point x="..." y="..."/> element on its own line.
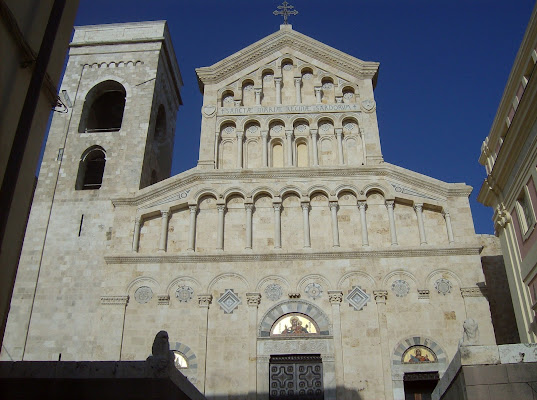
<point x="443" y="286"/>
<point x="143" y="294"/>
<point x="314" y="290"/>
<point x="184" y="294"/>
<point x="273" y="291"/>
<point x="400" y="288"/>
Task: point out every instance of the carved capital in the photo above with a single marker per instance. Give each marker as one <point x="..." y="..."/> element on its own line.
<point x="137" y="220"/>
<point x="380" y="296"/>
<point x="390" y="204"/>
<point x="253" y="299"/>
<point x="339" y="131"/>
<point x="445" y="214"/>
<point x="221" y="207"/>
<point x="114" y="300"/>
<point x="264" y="134"/>
<point x="317" y="89"/>
<point x="193" y="209"/>
<point x="362" y="204"/>
<point x="474" y="291"/>
<point x="423" y="294"/>
<point x="298" y="81"/>
<point x="277" y="206"/>
<point x="163" y="299"/>
<point x="240" y="135"/>
<point x="164" y="213"/>
<point x="205" y="300"/>
<point x="333" y="204"/>
<point x="335" y="296"/>
<point x="339" y="99"/>
<point x="418" y="207"/>
<point x="248" y="206"/>
<point x="278" y="81"/>
<point x="258" y="91"/>
<point x="313" y="133"/>
<point x="289" y="133"/>
<point x="305" y="206"/>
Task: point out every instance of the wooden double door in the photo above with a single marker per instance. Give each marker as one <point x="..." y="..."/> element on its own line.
<point x="296" y="377"/>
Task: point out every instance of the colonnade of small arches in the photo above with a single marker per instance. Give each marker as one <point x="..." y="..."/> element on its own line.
<point x="299" y="142"/>
<point x="290" y="220"/>
<point x="287" y="82"/>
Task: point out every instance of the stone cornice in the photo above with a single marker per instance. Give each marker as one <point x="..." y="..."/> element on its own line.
<point x="185" y="180"/>
<point x="278" y="41"/>
<point x="403" y="252"/>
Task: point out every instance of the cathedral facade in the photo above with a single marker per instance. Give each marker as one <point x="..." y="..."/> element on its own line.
<point x="291" y="260"/>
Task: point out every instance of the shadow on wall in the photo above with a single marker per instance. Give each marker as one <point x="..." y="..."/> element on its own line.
<point x="499" y="297"/>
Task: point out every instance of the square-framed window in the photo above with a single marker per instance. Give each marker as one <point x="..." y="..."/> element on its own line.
<point x="525" y="212"/>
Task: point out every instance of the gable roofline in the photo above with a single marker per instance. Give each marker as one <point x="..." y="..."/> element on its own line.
<point x="286" y="36"/>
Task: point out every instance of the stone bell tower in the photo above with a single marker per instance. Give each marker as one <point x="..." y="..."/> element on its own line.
<point x="121" y="89"/>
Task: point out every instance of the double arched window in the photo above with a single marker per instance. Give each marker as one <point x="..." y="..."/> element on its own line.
<point x="103" y="108"/>
<point x="91" y="169"/>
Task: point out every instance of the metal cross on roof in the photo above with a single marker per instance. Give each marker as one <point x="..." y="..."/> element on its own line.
<point x="285" y="9"/>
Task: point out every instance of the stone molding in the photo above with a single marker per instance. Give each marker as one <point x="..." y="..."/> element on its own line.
<point x="380" y="296"/>
<point x="205" y="300"/>
<point x="329" y="255"/>
<point x="163" y="299"/>
<point x="182" y="182"/>
<point x="114" y="300"/>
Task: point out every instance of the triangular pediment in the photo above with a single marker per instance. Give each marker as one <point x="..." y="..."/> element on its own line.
<point x="287" y="40"/>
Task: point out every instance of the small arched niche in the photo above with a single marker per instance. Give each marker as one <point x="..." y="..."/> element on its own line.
<point x="228" y="98"/>
<point x="91" y="169"/>
<point x="103" y="108"/>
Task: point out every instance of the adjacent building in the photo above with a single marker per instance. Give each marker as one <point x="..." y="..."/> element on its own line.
<point x="509" y="154"/>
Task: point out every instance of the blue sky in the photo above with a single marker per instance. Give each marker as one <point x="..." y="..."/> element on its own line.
<point x="444" y="65"/>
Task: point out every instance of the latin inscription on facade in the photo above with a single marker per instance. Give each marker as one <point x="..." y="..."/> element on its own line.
<point x="289" y="109"/>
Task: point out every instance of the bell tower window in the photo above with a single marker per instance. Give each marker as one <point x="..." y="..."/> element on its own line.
<point x="104" y="107"/>
<point x="91" y="169"/>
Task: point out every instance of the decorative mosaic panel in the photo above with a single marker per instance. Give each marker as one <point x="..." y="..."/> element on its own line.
<point x="357" y="298"/>
<point x="273" y="291"/>
<point x="400" y="288"/>
<point x="184" y="294"/>
<point x="229" y="301"/>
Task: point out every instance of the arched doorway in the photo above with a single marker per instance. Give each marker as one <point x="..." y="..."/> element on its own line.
<point x="295" y="353"/>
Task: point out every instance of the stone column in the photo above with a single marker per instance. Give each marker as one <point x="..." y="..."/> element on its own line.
<point x="390" y="205"/>
<point x="314" y="146"/>
<point x="277" y="225"/>
<point x="216" y="144"/>
<point x="380" y="297"/>
<point x="136" y="238"/>
<point x="306" y="222"/>
<point x="419" y="213"/>
<point x="362" y="205"/>
<point x="318" y="94"/>
<point x="289" y="136"/>
<point x="240" y="136"/>
<point x="278" y="82"/>
<point x="364" y="150"/>
<point x="163" y="230"/>
<point x="249" y="208"/>
<point x="192" y="229"/>
<point x="335" y="230"/>
<point x="336" y="297"/>
<point x="298" y="81"/>
<point x="220" y="236"/>
<point x="257" y="92"/>
<point x="204" y="302"/>
<point x="253" y="300"/>
<point x="264" y="138"/>
<point x="339" y="135"/>
<point x="447" y="217"/>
